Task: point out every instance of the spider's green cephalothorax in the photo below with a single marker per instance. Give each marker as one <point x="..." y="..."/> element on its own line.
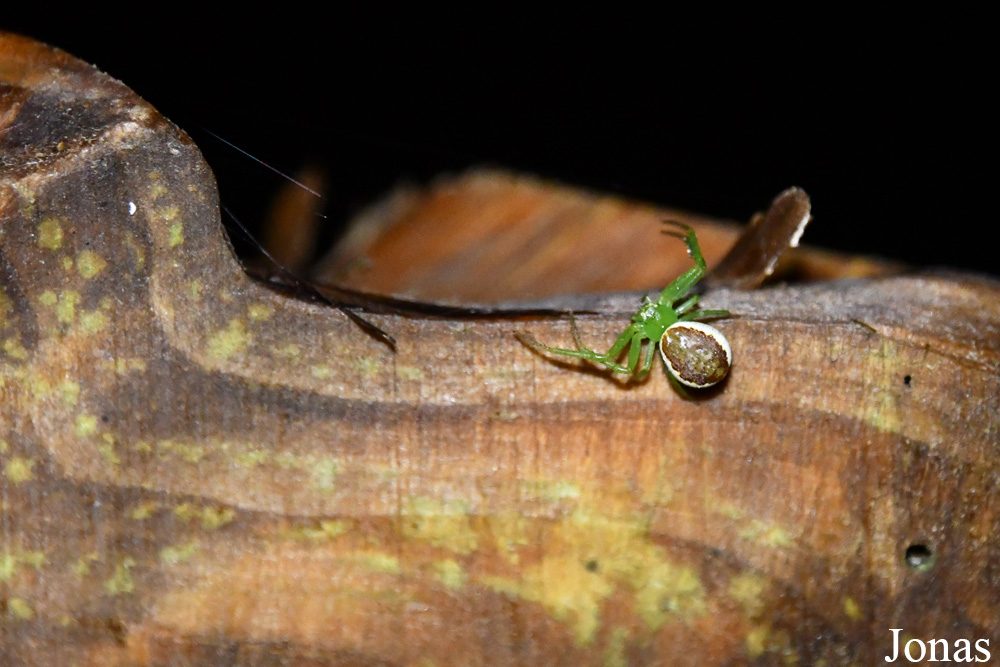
<point x="697" y="355"/>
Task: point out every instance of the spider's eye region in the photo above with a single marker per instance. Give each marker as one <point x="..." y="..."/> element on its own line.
<point x="697" y="354"/>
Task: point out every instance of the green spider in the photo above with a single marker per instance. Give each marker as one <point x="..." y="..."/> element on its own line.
<point x="697" y="355"/>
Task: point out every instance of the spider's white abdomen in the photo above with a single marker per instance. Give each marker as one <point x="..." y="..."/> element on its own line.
<point x="697" y="354"/>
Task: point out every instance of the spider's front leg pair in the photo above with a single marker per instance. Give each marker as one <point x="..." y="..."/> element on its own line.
<point x="697" y="354"/>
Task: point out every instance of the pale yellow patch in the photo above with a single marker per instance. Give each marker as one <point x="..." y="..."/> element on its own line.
<point x="143" y="446"/>
<point x="48" y="298"/>
<point x="180" y="553"/>
<point x="327" y="530"/>
<point x="450" y="573"/>
<point x="321" y="372"/>
<point x="211" y="517"/>
<point x="767" y="534"/>
<point x="20" y="609"/>
<point x="258" y="312"/>
<point x="69" y="392"/>
<point x="230" y="341"/>
<point x="66" y="308"/>
<point x="614" y="651"/>
<point x="852" y="609"/>
<point x="194" y="289"/>
<point x="185" y="451"/>
<point x="157" y="191"/>
<point x="107" y="452"/>
<point x="11" y="560"/>
<point x="6" y="306"/>
<point x="50" y="234"/>
<point x="121" y="581"/>
<point x="290" y="351"/>
<point x="367" y="366"/>
<point x="443" y="524"/>
<point x="375" y="561"/>
<point x="170" y="213"/>
<point x="91" y="322"/>
<point x="13" y="347"/>
<point x="89" y="264"/>
<point x="82" y="566"/>
<point x="137" y="251"/>
<point x="324" y="474"/>
<point x="176" y="234"/>
<point x="19" y="469"/>
<point x="253" y="458"/>
<point x="510" y="533"/>
<point x="144" y="510"/>
<point x="67" y="263"/>
<point x="550" y="490"/>
<point x="85" y="425"/>
<point x="4" y="445"/>
<point x="410" y="372"/>
<point x="756" y="640"/>
<point x="669" y="590"/>
<point x="749" y="590"/>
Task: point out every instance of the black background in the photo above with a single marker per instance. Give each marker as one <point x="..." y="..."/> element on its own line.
<point x="888" y="128"/>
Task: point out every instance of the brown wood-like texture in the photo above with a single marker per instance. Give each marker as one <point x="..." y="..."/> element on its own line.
<point x="197" y="470"/>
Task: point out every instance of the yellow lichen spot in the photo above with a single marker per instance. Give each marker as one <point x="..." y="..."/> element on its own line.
<point x="13" y="347"/>
<point x="18" y="469"/>
<point x="67" y="263"/>
<point x="409" y="373"/>
<point x="375" y="561"/>
<point x="756" y="640"/>
<point x="767" y="534"/>
<point x="93" y="321"/>
<point x="144" y="510"/>
<point x="614" y="651"/>
<point x="66" y="308"/>
<point x="211" y="517"/>
<point x="259" y="311"/>
<point x="324" y="474"/>
<point x="327" y="530"/>
<point x="227" y="342"/>
<point x="69" y="392"/>
<point x="852" y="609"/>
<point x="443" y="524"/>
<point x="321" y="372"/>
<point x="20" y="609"/>
<point x="253" y="458"/>
<point x="450" y="573"/>
<point x="105" y="303"/>
<point x="176" y="234"/>
<point x="178" y="554"/>
<point x="290" y="351"/>
<point x="89" y="264"/>
<point x="550" y="490"/>
<point x="48" y="298"/>
<point x="85" y="425"/>
<point x="121" y="581"/>
<point x="670" y="591"/>
<point x="510" y="533"/>
<point x="50" y="234"/>
<point x="570" y="591"/>
<point x="187" y="452"/>
<point x="749" y="590"/>
<point x="367" y="366"/>
<point x="194" y="289"/>
<point x="107" y="452"/>
<point x="137" y="251"/>
<point x="143" y="446"/>
<point x="10" y="560"/>
<point x="6" y="305"/>
<point x="4" y="445"/>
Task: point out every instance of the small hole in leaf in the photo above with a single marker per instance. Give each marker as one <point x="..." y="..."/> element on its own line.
<point x="906" y="380"/>
<point x="919" y="557"/>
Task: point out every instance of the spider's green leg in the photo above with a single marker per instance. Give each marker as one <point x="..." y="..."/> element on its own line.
<point x="634" y="350"/>
<point x="689" y="278"/>
<point x="704" y="315"/>
<point x="686" y="305"/>
<point x="647" y="363"/>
